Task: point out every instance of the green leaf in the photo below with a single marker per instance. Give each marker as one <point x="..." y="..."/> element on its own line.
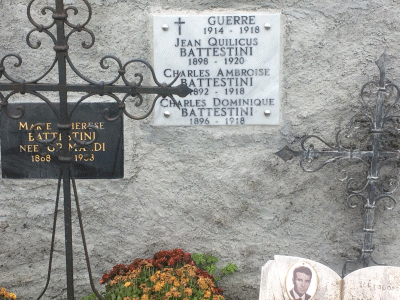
<point x="216" y="278"/>
<point x="229" y="269"/>
<point x="210" y="269"/>
<point x="198" y="259"/>
<point x="211" y="259"/>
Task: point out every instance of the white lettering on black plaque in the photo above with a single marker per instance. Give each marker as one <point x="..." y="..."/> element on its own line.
<point x="20" y="151"/>
<point x="231" y="62"/>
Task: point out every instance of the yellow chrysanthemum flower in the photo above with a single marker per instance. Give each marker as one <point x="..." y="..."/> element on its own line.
<point x="7" y="295"/>
<point x="184" y="281"/>
<point x="168" y="295"/>
<point x="188" y="291"/>
<point x="145" y="297"/>
<point x="202" y="283"/>
<point x="127" y="284"/>
<point x="207" y="294"/>
<point x="177" y="294"/>
<point x="159" y="285"/>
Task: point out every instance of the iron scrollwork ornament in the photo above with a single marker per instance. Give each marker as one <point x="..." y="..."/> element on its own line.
<point x="374" y="135"/>
<point x="59" y="22"/>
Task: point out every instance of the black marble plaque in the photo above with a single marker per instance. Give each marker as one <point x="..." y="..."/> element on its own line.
<point x="20" y="152"/>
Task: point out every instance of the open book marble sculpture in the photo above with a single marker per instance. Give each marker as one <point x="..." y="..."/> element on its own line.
<point x="288" y="277"/>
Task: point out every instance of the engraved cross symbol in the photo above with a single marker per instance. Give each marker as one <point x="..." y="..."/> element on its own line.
<point x="380" y="121"/>
<point x="180" y="22"/>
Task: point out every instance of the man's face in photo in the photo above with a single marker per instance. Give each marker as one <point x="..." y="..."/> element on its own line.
<point x="301" y="283"/>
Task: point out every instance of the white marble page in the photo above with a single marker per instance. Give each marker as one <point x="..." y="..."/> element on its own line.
<point x="373" y="283"/>
<point x="270" y="286"/>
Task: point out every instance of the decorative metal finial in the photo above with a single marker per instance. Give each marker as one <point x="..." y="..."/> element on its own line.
<point x="381" y="63"/>
<point x="287" y="154"/>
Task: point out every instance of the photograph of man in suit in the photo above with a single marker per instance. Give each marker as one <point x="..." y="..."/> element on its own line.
<point x="301" y="281"/>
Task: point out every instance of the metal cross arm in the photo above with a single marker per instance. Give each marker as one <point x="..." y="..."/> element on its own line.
<point x="55" y="30"/>
<point x="373" y="136"/>
<point x="308" y="153"/>
<point x="165" y="91"/>
<point x="134" y="89"/>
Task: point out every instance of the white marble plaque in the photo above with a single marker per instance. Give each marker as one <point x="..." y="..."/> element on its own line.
<point x="230" y="61"/>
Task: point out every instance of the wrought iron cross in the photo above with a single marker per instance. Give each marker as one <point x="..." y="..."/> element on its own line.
<point x="92" y="88"/>
<point x="379" y="123"/>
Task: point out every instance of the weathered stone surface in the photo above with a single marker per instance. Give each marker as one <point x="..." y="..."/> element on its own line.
<point x="217" y="190"/>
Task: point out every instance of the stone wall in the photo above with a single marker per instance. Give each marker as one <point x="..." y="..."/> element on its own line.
<point x="209" y="189"/>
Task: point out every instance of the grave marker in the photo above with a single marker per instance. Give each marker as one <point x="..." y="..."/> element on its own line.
<point x="376" y="125"/>
<point x="317" y="281"/>
<point x="20" y="153"/>
<point x="230" y="61"/>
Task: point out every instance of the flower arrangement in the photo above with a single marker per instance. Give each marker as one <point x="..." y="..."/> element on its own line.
<point x="6" y="295"/>
<point x="168" y="275"/>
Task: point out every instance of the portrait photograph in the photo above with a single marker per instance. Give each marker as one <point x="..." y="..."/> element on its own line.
<point x="301" y="281"/>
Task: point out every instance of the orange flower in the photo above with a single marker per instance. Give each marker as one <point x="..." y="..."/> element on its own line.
<point x="168" y="294"/>
<point x="202" y="283"/>
<point x="184" y="280"/>
<point x="176" y="294"/>
<point x="188" y="291"/>
<point x="163" y="278"/>
<point x="159" y="286"/>
<point x="133" y="274"/>
<point x="145" y="297"/>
